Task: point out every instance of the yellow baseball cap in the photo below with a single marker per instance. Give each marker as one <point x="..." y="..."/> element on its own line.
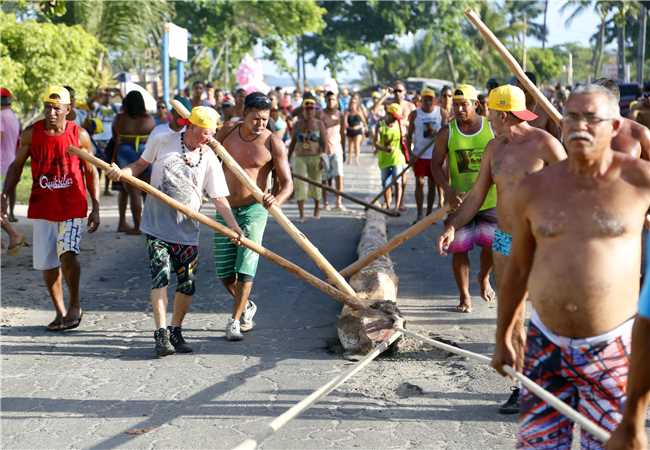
<point x="428" y="92"/>
<point x="395" y="110"/>
<point x="204" y="117"/>
<point x="59" y="91"/>
<point x="512" y="99"/>
<point x="465" y="92"/>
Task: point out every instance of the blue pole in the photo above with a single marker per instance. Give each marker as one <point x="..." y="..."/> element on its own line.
<point x="165" y="65"/>
<point x="180" y="75"/>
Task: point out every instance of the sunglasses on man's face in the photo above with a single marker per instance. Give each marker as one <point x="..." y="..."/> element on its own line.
<point x="398" y="90"/>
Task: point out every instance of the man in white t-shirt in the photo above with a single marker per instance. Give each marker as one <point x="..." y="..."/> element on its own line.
<point x="183" y="168"/>
<point x="423" y="127"/>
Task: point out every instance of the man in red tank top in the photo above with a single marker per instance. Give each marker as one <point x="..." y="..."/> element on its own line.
<point x="57" y="203"/>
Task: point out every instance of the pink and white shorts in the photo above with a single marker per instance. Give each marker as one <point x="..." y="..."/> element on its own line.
<point x="480" y="231"/>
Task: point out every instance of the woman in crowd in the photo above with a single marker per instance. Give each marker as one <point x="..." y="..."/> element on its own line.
<point x="355" y="126"/>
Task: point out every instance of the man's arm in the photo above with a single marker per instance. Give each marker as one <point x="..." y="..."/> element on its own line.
<point x="15" y="170"/>
<point x="282" y="171"/>
<point x="410" y="131"/>
<point x="556" y="151"/>
<point x="92" y="181"/>
<point x="512" y="288"/>
<point x="437" y="170"/>
<point x="342" y="128"/>
<point x="631" y="434"/>
<point x="644" y="140"/>
<point x="379" y="102"/>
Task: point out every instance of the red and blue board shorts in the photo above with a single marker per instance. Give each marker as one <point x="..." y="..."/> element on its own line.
<point x="590" y="375"/>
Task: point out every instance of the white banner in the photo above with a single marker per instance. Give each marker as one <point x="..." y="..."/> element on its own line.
<point x="178" y="38"/>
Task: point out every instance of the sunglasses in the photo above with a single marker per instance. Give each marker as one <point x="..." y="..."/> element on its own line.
<point x="398" y="90"/>
<point x="308" y="108"/>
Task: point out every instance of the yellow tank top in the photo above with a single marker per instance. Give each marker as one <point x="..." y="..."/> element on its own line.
<point x="465" y="154"/>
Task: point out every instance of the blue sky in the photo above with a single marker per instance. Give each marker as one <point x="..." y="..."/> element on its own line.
<point x="580" y="31"/>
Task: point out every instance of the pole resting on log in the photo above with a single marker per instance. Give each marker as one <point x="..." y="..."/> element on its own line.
<point x="398" y="240"/>
<point x="302" y="241"/>
<point x="507" y="57"/>
<point x="328" y="289"/>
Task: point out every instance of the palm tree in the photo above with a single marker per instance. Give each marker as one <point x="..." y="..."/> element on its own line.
<point x="603" y="9"/>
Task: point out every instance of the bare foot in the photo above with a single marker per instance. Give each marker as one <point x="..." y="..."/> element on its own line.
<point x="133" y="231"/>
<point x="465" y="305"/>
<point x="123" y="228"/>
<point x="487" y="293"/>
<point x="317" y="214"/>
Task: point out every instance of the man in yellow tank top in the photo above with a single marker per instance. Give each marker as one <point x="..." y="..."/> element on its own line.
<point x="463" y="143"/>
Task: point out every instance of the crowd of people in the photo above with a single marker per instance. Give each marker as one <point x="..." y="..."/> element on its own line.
<point x="558" y="210"/>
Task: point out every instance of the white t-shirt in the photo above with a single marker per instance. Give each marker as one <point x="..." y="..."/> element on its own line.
<point x="426" y="128"/>
<point x="173" y="176"/>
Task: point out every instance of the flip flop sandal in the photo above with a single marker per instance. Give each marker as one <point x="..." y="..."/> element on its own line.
<point x="55" y="325"/>
<point x="74" y="324"/>
<point x="15" y="249"/>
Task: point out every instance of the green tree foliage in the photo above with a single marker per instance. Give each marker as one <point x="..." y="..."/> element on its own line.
<point x="545" y="63"/>
<point x="34" y="55"/>
<point x="218" y="26"/>
<point x="355" y="27"/>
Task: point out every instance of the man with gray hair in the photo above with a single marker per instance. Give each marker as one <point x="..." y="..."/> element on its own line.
<point x="576" y="248"/>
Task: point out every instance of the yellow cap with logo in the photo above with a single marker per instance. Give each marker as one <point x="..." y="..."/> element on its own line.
<point x="57" y="95"/>
<point x="204" y="117"/>
<point x="395" y="110"/>
<point x="465" y="92"/>
<point x="512" y="99"/>
<point x="427" y="92"/>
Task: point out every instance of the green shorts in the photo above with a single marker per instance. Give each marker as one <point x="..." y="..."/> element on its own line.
<point x="232" y="261"/>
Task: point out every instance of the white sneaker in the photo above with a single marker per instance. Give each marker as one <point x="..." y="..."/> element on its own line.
<point x="233" y="332"/>
<point x="247" y="322"/>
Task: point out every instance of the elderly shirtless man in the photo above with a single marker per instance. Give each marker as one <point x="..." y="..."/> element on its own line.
<point x="518" y="150"/>
<point x="577" y="249"/>
<point x="257" y="151"/>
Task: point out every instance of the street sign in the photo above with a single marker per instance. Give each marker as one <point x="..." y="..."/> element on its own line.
<point x="178" y="38"/>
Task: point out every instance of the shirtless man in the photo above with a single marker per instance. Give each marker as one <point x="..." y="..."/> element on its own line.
<point x="333" y="133"/>
<point x="576" y="248"/>
<point x="632" y="138"/>
<point x="257" y="151"/>
<point x="407" y="108"/>
<point x="518" y="150"/>
<point x="462" y="143"/>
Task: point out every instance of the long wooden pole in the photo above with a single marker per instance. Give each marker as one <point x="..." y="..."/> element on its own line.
<point x="533" y="387"/>
<point x="348" y="196"/>
<point x="396" y="179"/>
<point x="330" y="290"/>
<point x="302" y="241"/>
<point x="398" y="240"/>
<point x="276" y="424"/>
<point x="533" y="90"/>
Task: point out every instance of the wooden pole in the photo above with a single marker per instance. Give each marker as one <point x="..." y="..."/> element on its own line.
<point x="398" y="240"/>
<point x="511" y="62"/>
<point x="341" y="297"/>
<point x="348" y="196"/>
<point x="396" y="179"/>
<point x="533" y="387"/>
<point x="276" y="424"/>
<point x="302" y="241"/>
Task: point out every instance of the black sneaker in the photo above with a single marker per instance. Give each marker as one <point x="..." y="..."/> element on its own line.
<point x="163" y="346"/>
<point x="177" y="340"/>
<point x="511" y="406"/>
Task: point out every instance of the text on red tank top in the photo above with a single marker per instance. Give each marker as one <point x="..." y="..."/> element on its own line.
<point x="58" y="188"/>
